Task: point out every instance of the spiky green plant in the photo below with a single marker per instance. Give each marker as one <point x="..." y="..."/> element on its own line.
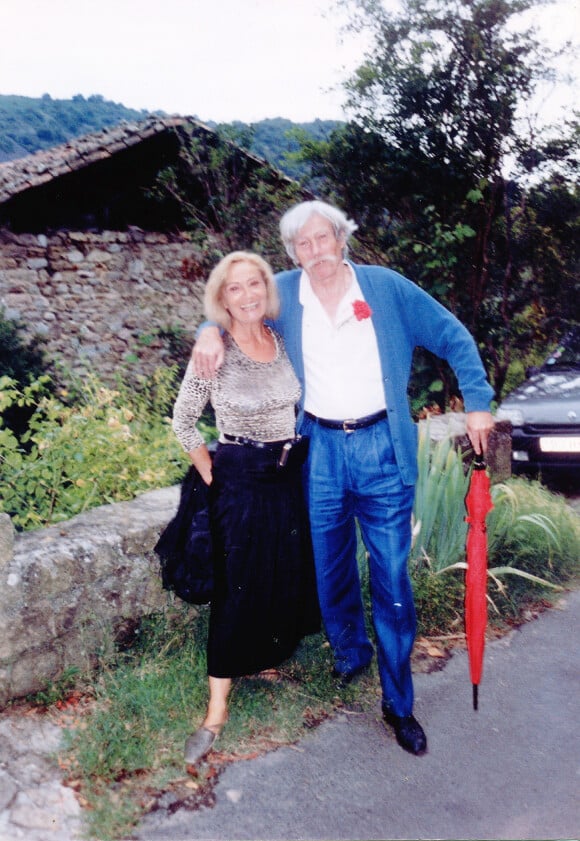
<point x="439" y="511"/>
<point x="532" y="534"/>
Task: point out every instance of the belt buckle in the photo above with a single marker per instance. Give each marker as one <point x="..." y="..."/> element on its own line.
<point x="345" y="425"/>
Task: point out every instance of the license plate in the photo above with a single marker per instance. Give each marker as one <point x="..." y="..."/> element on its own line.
<point x="560" y="444"/>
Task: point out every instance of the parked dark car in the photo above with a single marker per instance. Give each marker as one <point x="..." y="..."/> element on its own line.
<point x="545" y="413"/>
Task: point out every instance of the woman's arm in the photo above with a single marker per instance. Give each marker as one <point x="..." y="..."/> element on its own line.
<point x="201" y="460"/>
<point x="193" y="397"/>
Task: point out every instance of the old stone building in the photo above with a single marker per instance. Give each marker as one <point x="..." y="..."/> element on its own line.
<point x="97" y="263"/>
<point x="92" y="260"/>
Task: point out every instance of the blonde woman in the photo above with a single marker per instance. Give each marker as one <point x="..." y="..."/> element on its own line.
<point x="264" y="597"/>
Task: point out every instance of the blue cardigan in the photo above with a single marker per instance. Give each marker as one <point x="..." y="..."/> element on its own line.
<point x="404" y="317"/>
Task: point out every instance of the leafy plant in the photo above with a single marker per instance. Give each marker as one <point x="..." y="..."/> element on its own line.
<point x="439" y="510"/>
<point x="532" y="532"/>
<point x="533" y="537"/>
<point x="22" y="360"/>
<point x="101" y="445"/>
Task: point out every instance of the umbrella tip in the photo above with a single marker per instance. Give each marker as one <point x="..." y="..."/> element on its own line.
<point x="475" y="696"/>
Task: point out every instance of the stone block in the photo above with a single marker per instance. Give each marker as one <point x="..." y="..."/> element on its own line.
<point x="47" y="808"/>
<point x="37" y="263"/>
<point x="8" y="790"/>
<point x="74" y="585"/>
<point x="499" y="456"/>
<point x="6" y="540"/>
<point x="34" y="671"/>
<point x="75" y="256"/>
<point x="453" y="425"/>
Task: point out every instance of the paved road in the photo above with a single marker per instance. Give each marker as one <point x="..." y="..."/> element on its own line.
<point x="508" y="771"/>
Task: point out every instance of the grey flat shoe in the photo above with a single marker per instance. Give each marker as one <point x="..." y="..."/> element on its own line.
<point x="199" y="745"/>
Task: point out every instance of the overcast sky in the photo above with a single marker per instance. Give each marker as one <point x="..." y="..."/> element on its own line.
<point x="216" y="59"/>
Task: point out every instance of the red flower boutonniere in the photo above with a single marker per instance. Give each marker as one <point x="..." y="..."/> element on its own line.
<point x="361" y="310"/>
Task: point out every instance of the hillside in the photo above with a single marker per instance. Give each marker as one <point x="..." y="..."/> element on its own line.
<point x="30" y="124"/>
<point x="273" y="139"/>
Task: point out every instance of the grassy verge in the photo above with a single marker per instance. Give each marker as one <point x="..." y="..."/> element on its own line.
<point x="129" y="749"/>
<point x="127" y="752"/>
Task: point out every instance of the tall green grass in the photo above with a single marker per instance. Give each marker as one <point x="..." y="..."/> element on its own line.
<point x="533" y="538"/>
<point x="439" y="511"/>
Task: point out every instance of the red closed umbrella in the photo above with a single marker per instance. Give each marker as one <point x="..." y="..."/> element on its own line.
<point x="478" y="504"/>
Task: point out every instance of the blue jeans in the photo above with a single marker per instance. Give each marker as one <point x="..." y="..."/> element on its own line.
<point x="353" y="476"/>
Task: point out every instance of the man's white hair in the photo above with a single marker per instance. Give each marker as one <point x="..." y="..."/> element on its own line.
<point x="295" y="219"/>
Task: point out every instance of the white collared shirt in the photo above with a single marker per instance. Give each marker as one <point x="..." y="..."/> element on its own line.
<point x="341" y="358"/>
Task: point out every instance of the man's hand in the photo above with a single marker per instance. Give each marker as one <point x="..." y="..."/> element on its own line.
<point x="208" y="353"/>
<point x="479" y="426"/>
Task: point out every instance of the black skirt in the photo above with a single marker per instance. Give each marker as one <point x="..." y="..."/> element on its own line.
<point x="264" y="598"/>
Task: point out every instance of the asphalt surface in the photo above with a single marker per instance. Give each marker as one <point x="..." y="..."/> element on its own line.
<point x="508" y="771"/>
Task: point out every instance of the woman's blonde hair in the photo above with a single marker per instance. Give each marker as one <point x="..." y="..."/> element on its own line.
<point x="212" y="300"/>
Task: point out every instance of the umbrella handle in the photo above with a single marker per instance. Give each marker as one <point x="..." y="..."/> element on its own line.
<point x="479" y="462"/>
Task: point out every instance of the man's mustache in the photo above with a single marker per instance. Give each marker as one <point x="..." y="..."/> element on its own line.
<point x="317" y="260"/>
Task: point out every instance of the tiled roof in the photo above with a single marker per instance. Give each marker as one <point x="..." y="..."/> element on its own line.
<point x="34" y="170"/>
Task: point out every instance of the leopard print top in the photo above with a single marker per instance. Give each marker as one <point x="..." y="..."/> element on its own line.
<point x="252" y="399"/>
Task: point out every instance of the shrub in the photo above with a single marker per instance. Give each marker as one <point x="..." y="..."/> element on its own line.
<point x="23" y="362"/>
<point x="439" y="511"/>
<point x="533" y="538"/>
<point x="107" y="445"/>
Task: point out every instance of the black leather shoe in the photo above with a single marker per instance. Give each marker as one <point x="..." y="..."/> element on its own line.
<point x="346" y="678"/>
<point x="410" y="735"/>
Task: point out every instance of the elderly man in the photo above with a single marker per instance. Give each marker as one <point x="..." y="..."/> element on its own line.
<point x="350" y="331"/>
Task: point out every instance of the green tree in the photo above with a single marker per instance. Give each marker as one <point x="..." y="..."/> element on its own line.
<point x="424" y="163"/>
<point x="227" y="198"/>
<point x="278" y="140"/>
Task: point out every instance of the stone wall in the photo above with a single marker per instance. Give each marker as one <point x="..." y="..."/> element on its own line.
<point x="98" y="298"/>
<point x="66" y="591"/>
